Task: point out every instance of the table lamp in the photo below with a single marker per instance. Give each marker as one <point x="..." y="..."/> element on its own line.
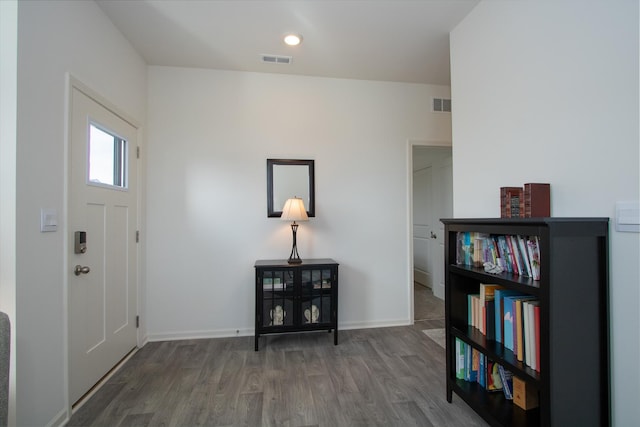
<point x="294" y="210"/>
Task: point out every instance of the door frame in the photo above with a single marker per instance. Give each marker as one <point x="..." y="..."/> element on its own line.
<point x="409" y="232"/>
<point x="71" y="83"/>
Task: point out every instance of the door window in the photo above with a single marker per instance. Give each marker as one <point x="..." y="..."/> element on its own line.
<point x="107" y="158"/>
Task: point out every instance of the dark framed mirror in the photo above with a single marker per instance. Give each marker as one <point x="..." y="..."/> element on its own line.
<point x="287" y="178"/>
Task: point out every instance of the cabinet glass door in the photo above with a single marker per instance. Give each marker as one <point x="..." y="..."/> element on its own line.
<point x="316" y="296"/>
<point x="277" y="298"/>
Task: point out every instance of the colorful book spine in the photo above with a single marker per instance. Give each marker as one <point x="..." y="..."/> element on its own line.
<point x="459" y="359"/>
<point x="482" y="373"/>
<point x="507" y="382"/>
<point x="522" y="249"/>
<point x="494" y="382"/>
<point x="534" y="256"/>
<point x="518" y="331"/>
<point x="536" y="325"/>
<point x="508" y="320"/>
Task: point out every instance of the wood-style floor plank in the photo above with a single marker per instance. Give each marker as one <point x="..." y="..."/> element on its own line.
<point x="375" y="377"/>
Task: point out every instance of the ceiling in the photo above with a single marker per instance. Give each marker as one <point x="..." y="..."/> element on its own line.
<point x="387" y="40"/>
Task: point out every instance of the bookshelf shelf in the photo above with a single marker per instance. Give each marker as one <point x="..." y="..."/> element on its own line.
<point x="508" y="279"/>
<point x="572" y="294"/>
<point x="496" y="351"/>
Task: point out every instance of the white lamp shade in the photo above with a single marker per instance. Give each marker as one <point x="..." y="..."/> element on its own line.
<point x="294" y="210"/>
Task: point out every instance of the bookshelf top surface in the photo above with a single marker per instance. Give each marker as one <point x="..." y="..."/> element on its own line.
<point x="523" y="221"/>
<point x="559" y="226"/>
<point x="279" y="263"/>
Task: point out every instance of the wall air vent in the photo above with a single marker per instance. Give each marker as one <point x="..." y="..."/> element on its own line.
<point x="276" y="59"/>
<point x="442" y="105"/>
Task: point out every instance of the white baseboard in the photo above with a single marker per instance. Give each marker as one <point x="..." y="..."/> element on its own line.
<point x="421" y="277"/>
<point x="438" y="291"/>
<point x="249" y="332"/>
<point x="376" y="324"/>
<point x="194" y="335"/>
<point x="61" y="419"/>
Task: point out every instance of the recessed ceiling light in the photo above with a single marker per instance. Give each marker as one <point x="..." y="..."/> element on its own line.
<point x="293" y="39"/>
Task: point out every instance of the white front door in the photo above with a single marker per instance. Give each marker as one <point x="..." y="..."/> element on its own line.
<point x="102" y="205"/>
<point x="422" y="226"/>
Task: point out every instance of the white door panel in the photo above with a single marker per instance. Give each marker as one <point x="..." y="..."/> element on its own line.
<point x="444" y="172"/>
<point x="422" y="218"/>
<point x="102" y="301"/>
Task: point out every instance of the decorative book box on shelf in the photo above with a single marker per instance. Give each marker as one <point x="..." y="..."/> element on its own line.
<point x="549" y="336"/>
<point x="296" y="297"/>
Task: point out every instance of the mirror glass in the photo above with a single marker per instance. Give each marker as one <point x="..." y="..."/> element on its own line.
<point x="286" y="179"/>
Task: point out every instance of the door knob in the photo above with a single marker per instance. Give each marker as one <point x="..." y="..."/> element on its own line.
<point x="433" y="235"/>
<point x="81" y="270"/>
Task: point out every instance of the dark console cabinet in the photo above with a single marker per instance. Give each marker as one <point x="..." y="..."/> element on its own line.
<point x="296" y="297"/>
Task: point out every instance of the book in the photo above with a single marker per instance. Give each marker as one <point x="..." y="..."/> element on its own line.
<point x="487" y="294"/>
<point x="460" y="247"/>
<point x="516" y="254"/>
<point x="533" y="248"/>
<point x="459" y="359"/>
<point x="482" y="373"/>
<point x="507" y="382"/>
<point x="526" y="265"/>
<point x="537" y="200"/>
<point x="490" y="315"/>
<point x="499" y="295"/>
<point x="511" y="201"/>
<point x="508" y="317"/>
<point x="467" y="248"/>
<point x="505" y="254"/>
<point x="519" y="338"/>
<point x="518" y="327"/>
<point x="511" y="320"/>
<point x="477" y="252"/>
<point x="530" y="335"/>
<point x="516" y="206"/>
<point x="479" y="242"/>
<point x="472" y="310"/>
<point x="536" y="325"/>
<point x="473" y="363"/>
<point x="494" y="382"/>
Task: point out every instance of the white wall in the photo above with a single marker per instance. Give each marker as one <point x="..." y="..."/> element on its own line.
<point x="55" y="38"/>
<point x="210" y="133"/>
<point x="8" y="111"/>
<point x="548" y="92"/>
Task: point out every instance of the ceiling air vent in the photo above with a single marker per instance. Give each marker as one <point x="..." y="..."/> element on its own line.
<point x="442" y="105"/>
<point x="276" y="59"/>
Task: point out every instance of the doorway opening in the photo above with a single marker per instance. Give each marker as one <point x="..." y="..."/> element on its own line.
<point x="431" y="200"/>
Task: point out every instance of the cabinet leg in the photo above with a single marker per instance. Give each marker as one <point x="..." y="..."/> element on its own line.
<point x="335" y="336"/>
<point x="256" y="343"/>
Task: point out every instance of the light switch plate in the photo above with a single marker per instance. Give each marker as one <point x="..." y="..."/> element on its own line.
<point x="48" y="220"/>
<point x="628" y="217"/>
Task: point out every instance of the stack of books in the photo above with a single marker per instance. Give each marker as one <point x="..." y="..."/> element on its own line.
<point x="531" y="201"/>
<point x="510" y="318"/>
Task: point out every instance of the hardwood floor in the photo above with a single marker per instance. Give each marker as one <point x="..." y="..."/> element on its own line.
<point x="375" y="377"/>
<point x="425" y="305"/>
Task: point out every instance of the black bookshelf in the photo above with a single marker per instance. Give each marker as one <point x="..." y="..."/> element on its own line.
<point x="573" y="380"/>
